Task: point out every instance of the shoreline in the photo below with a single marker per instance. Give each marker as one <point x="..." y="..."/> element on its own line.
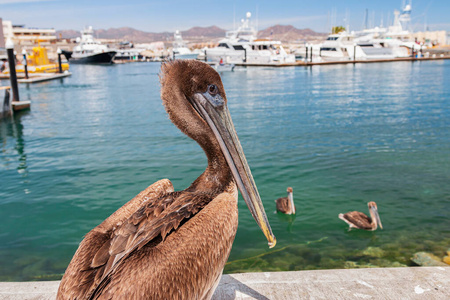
<point x="371" y="283"/>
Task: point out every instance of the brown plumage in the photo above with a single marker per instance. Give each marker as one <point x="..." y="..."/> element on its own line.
<point x="173" y="245"/>
<point x="356" y="219"/>
<point x="286" y="204"/>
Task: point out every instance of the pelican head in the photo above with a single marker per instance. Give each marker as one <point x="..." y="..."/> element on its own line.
<point x="374" y="214"/>
<point x="194" y="97"/>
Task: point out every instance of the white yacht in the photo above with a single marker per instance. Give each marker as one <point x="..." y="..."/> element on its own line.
<point x="90" y="50"/>
<point x="373" y="43"/>
<point x="241" y="46"/>
<point x="180" y="50"/>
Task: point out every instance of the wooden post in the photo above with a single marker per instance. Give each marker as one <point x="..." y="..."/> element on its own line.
<point x="25" y="63"/>
<point x="12" y="69"/>
<point x="59" y="60"/>
<point x="6" y="110"/>
<point x="354" y="52"/>
<point x="206" y="56"/>
<point x="306" y="55"/>
<point x="245" y="55"/>
<point x="311" y="54"/>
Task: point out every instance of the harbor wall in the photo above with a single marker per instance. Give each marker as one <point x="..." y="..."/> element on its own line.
<point x="372" y="283"/>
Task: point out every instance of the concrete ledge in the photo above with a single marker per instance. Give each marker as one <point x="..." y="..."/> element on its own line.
<point x="388" y="283"/>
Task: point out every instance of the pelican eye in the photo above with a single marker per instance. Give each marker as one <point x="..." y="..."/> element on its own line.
<point x="212" y="89"/>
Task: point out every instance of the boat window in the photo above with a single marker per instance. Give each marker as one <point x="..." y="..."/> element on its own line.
<point x="223" y="45"/>
<point x="327" y="49"/>
<point x="332" y="38"/>
<point x="238" y="47"/>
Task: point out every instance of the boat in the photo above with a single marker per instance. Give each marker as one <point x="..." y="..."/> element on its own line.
<point x="372" y="43"/>
<point x="180" y="50"/>
<point x="38" y="62"/>
<point x="242" y="46"/>
<point x="222" y="67"/>
<point x="128" y="54"/>
<point x="91" y="51"/>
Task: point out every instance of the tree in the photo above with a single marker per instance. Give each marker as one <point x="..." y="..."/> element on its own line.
<point x="337" y="29"/>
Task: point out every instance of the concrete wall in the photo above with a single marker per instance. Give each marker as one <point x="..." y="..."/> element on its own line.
<point x="390" y="283"/>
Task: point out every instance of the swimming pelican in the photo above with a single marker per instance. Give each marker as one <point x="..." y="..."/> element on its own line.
<point x="173" y="245"/>
<point x="286" y="204"/>
<point x="356" y="219"/>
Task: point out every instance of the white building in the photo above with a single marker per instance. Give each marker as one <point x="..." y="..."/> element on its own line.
<point x="21" y="35"/>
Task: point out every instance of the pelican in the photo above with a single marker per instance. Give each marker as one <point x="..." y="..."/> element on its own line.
<point x="164" y="244"/>
<point x="286" y="204"/>
<point x="356" y="219"/>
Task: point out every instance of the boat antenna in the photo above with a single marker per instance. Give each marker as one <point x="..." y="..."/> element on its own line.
<point x="365" y="18"/>
<point x="234" y="16"/>
<point x="257" y="20"/>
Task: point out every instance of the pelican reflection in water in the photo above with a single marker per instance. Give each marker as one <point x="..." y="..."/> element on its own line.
<point x="356" y="219"/>
<point x="164" y="244"/>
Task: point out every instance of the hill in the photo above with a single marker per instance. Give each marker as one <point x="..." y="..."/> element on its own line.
<point x="288" y="33"/>
<point x="285" y="33"/>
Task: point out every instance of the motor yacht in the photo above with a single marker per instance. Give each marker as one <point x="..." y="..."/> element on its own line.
<point x="242" y="46"/>
<point x="180" y="50"/>
<point x="90" y="50"/>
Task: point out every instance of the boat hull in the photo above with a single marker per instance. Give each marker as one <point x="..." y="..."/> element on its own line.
<point x="50" y="68"/>
<point x="185" y="56"/>
<point x="99" y="58"/>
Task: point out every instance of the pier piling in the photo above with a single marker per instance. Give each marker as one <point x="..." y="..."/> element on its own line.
<point x="306" y="54"/>
<point x="59" y="60"/>
<point x="12" y="69"/>
<point x="25" y="64"/>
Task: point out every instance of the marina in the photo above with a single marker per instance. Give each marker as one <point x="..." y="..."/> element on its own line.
<point x="338" y="139"/>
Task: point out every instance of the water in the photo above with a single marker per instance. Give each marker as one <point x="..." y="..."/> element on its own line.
<point x="339" y="135"/>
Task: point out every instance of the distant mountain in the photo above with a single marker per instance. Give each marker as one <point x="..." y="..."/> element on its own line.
<point x="284" y="33"/>
<point x="288" y="33"/>
<point x="210" y="32"/>
<point x="122" y="33"/>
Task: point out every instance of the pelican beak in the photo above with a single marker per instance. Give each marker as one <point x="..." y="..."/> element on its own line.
<point x="215" y="112"/>
<point x="291" y="200"/>
<point x="377" y="216"/>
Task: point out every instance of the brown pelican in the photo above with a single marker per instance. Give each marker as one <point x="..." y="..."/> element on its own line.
<point x="173" y="245"/>
<point x="356" y="219"/>
<point x="286" y="204"/>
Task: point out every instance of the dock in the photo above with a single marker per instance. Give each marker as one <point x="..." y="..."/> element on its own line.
<point x="37" y="77"/>
<point x="371" y="283"/>
<point x="345" y="62"/>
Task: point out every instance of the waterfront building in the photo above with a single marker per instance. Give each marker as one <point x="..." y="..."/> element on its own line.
<point x="22" y="35"/>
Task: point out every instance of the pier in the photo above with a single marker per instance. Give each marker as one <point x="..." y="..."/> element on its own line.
<point x="346" y="62"/>
<point x="372" y="283"/>
<point x="37" y="77"/>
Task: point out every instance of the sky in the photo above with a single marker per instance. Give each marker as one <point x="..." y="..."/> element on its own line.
<point x="171" y="15"/>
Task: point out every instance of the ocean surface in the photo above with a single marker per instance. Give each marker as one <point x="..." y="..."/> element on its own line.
<point x="340" y="135"/>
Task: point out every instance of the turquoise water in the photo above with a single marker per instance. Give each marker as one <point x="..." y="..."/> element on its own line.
<point x="339" y="135"/>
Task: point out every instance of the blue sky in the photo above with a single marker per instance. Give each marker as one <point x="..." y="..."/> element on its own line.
<point x="169" y="15"/>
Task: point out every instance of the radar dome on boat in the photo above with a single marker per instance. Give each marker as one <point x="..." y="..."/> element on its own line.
<point x="249" y="14"/>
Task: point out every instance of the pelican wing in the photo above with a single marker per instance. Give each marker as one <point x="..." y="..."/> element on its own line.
<point x="150" y="224"/>
<point x="93" y="252"/>
<point x="358" y="219"/>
